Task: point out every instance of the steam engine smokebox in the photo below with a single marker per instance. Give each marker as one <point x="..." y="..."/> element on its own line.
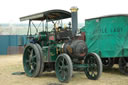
<point x="76" y="49"/>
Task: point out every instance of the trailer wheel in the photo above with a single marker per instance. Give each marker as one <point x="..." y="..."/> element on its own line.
<point x="41" y="59"/>
<point x="107" y="63"/>
<point x="63" y="68"/>
<point x="94" y="69"/>
<point x="31" y="60"/>
<point x="123" y="65"/>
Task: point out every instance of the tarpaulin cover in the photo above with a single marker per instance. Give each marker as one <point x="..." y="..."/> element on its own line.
<point x="107" y="36"/>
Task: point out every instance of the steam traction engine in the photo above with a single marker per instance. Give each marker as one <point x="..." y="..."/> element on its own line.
<point x="59" y="49"/>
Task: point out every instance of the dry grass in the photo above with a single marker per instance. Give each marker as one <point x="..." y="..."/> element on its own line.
<point x="13" y="63"/>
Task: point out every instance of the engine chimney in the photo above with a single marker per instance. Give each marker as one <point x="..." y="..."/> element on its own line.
<point x="74" y="20"/>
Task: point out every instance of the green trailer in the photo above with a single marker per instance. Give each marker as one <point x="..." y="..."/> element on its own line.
<point x="60" y="49"/>
<point x="108" y="37"/>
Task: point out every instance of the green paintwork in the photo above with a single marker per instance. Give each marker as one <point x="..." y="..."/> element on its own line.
<point x="43" y="37"/>
<point x="80" y="65"/>
<point x="49" y="56"/>
<point x="49" y="46"/>
<point x="53" y="54"/>
<point x="45" y="53"/>
<point x="107" y="36"/>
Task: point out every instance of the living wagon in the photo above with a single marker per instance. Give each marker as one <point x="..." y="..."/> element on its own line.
<point x="108" y="37"/>
<point x="58" y="49"/>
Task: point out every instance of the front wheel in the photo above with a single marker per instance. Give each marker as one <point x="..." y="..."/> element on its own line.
<point x="94" y="69"/>
<point x="63" y="68"/>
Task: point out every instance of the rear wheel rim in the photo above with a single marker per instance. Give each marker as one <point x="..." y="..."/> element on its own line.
<point x="41" y="59"/>
<point x="31" y="60"/>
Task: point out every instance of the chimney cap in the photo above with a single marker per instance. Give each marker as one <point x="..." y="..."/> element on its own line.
<point x="74" y="9"/>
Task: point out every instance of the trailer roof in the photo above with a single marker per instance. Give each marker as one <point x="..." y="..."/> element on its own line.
<point x="49" y="15"/>
<point x="114" y="15"/>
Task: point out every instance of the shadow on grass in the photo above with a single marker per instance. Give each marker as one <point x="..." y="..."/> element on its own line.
<point x="48" y="74"/>
<point x="114" y="70"/>
<point x="54" y="84"/>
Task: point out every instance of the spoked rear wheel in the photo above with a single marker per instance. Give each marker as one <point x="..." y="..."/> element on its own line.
<point x="94" y="69"/>
<point x="63" y="68"/>
<point x="31" y="60"/>
<point x="123" y="65"/>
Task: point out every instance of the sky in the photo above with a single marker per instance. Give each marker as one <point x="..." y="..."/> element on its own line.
<point x="12" y="10"/>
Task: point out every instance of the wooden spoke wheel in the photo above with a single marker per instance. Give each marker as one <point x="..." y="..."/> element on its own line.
<point x="63" y="68"/>
<point x="123" y="65"/>
<point x="94" y="69"/>
<point x="32" y="60"/>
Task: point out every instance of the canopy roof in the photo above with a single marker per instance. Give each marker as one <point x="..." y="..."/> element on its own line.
<point x="48" y="15"/>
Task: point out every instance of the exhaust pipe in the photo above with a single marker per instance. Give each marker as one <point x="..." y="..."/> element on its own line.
<point x="74" y="20"/>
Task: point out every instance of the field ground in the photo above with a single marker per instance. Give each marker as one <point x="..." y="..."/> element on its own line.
<point x="13" y="63"/>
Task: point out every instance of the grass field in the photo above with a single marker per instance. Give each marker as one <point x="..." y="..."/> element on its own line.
<point x="13" y="63"/>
